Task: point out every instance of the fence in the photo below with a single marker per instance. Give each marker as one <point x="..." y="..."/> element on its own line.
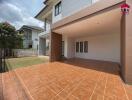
<point x="25" y="52"/>
<point x="7" y="53"/>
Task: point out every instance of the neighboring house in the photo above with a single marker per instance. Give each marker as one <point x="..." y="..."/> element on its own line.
<point x="30" y="36"/>
<point x="89" y="29"/>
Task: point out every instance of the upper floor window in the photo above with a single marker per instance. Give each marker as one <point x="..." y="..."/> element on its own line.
<point x="58" y="8"/>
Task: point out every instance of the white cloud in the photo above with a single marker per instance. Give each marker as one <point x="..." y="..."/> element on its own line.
<point x="16" y="15"/>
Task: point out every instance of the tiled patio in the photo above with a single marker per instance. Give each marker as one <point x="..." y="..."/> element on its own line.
<point x="74" y="79"/>
<point x="1" y="90"/>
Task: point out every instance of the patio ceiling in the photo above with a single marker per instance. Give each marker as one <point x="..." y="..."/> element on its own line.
<point x="103" y="23"/>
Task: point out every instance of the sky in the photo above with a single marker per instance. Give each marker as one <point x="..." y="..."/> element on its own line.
<point x="20" y="12"/>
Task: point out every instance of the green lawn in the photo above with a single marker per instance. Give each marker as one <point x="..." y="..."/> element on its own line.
<point x="14" y="63"/>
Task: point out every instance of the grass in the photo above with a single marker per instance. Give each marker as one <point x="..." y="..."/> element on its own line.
<point x="14" y="63"/>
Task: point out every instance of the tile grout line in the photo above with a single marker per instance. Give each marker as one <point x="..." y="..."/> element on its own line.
<point x="95" y="86"/>
<point x="9" y="74"/>
<point x="2" y="82"/>
<point x="61" y="97"/>
<point x="124" y="89"/>
<point x="53" y="92"/>
<point x="105" y="87"/>
<point x="17" y="83"/>
<point x="3" y="86"/>
<point x="75" y="88"/>
<point x="25" y="88"/>
<point x="63" y="89"/>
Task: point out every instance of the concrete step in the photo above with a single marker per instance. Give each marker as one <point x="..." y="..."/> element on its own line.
<point x="12" y="87"/>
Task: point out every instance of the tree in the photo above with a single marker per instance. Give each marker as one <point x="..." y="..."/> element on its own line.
<point x="9" y="39"/>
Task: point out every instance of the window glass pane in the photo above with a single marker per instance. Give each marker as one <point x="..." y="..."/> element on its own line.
<point x="86" y="46"/>
<point x="81" y="47"/>
<point x="77" y="46"/>
<point x="58" y="9"/>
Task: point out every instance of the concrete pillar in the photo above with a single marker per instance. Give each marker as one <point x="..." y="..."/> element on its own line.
<point x="126" y="48"/>
<point x="55" y="47"/>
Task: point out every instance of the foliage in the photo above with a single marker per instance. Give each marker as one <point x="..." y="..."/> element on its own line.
<point x="9" y="37"/>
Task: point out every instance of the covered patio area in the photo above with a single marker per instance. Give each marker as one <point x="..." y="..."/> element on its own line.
<point x="97" y="37"/>
<point x="98" y="32"/>
<point x="74" y="79"/>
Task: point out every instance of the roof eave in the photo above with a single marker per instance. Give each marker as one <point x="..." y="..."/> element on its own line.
<point x="40" y="12"/>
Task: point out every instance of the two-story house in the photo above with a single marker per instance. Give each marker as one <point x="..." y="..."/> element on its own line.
<point x="89" y="29"/>
<point x="30" y="36"/>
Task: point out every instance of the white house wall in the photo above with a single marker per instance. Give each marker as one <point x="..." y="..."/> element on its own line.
<point x="102" y="47"/>
<point x="58" y="17"/>
<point x="69" y="47"/>
<point x="71" y="6"/>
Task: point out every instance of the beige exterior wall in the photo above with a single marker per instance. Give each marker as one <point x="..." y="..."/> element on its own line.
<point x="88" y="11"/>
<point x="127" y="45"/>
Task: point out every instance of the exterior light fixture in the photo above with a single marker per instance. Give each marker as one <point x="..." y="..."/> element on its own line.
<point x="125" y="8"/>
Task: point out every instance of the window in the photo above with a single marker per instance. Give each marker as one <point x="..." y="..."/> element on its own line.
<point x="86" y="46"/>
<point x="58" y="9"/>
<point x="30" y="46"/>
<point x="77" y="46"/>
<point x="81" y="47"/>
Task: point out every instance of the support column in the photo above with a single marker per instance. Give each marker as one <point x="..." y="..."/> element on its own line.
<point x="126" y="47"/>
<point x="55" y="47"/>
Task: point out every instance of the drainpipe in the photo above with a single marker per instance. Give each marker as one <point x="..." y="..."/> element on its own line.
<point x="45" y="23"/>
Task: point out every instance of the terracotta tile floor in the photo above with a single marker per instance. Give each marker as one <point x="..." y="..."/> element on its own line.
<point x="1" y="90"/>
<point x="12" y="88"/>
<point x="74" y="79"/>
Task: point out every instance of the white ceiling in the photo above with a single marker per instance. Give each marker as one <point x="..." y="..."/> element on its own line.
<point x="107" y="22"/>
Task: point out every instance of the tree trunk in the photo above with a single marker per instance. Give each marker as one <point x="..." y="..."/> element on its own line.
<point x="0" y="60"/>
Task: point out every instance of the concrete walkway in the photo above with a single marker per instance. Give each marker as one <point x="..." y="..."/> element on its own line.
<point x="12" y="88"/>
<point x="71" y="80"/>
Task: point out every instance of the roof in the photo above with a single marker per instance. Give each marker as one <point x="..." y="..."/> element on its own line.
<point x="40" y="11"/>
<point x="32" y="27"/>
<point x="45" y="1"/>
<point x="46" y="7"/>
